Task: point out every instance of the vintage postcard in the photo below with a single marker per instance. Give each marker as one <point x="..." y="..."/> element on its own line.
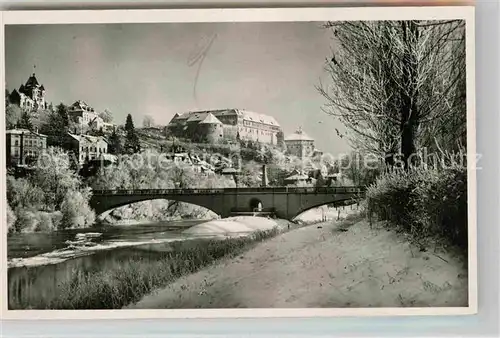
<point x="238" y="163"/>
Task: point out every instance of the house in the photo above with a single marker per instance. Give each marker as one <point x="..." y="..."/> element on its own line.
<point x="299" y="144"/>
<point x="296" y="178"/>
<point x="85" y="148"/>
<point x="83" y="114"/>
<point x="80" y="112"/>
<point x="24" y="146"/>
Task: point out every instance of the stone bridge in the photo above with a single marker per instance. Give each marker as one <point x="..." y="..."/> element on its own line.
<point x="284" y="202"/>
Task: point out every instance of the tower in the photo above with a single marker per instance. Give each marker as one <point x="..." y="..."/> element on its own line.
<point x="31" y="95"/>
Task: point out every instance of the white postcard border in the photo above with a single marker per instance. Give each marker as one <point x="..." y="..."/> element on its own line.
<point x="252" y="15"/>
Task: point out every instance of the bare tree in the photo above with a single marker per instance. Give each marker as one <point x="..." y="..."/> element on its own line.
<point x="392" y="82"/>
<point x="106" y="116"/>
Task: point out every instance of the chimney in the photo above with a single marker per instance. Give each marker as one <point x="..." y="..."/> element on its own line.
<point x="264" y="175"/>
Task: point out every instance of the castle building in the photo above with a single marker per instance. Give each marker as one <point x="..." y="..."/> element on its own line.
<point x="299" y="144"/>
<point x="226" y="124"/>
<point x="24" y="146"/>
<point x="30" y="96"/>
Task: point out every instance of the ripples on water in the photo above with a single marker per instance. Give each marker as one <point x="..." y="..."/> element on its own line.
<point x="39" y="262"/>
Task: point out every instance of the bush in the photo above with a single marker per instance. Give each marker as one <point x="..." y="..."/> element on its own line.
<point x="27" y="220"/>
<point x="55" y="176"/>
<point x="11" y="219"/>
<point x="443" y="204"/>
<point x="22" y="193"/>
<point x="30" y="220"/>
<point x="424" y="202"/>
<point x="76" y="212"/>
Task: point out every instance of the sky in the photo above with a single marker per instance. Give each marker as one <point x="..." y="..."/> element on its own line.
<point x="167" y="68"/>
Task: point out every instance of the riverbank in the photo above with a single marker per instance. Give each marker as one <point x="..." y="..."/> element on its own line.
<point x="345" y="264"/>
<point x="150" y="266"/>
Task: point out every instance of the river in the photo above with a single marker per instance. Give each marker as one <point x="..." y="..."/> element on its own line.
<point x="39" y="262"/>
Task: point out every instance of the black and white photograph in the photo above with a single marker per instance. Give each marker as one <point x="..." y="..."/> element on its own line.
<point x="314" y="163"/>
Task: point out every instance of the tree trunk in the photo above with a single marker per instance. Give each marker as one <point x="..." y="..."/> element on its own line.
<point x="409" y="111"/>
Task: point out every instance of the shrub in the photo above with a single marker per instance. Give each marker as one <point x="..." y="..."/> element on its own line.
<point x="27" y="221"/>
<point x="424" y="202"/>
<point x="45" y="222"/>
<point x="11" y="219"/>
<point x="443" y="205"/>
<point x="30" y="220"/>
<point x="55" y="176"/>
<point x="76" y="212"/>
<point x="22" y="193"/>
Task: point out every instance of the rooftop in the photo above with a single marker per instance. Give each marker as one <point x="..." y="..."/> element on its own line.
<point x="23" y="131"/>
<point x="87" y="138"/>
<point x="210" y="119"/>
<point x="81" y="105"/>
<point x="299" y="135"/>
<point x="197" y="117"/>
<point x="32" y="82"/>
<point x="247" y="115"/>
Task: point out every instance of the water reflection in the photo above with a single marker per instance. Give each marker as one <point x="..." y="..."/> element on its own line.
<point x="32" y="244"/>
<point x="63" y="253"/>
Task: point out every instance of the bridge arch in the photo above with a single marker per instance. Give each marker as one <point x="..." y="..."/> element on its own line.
<point x="255" y="203"/>
<point x="104" y="213"/>
<point x="336" y="204"/>
<point x="102" y="204"/>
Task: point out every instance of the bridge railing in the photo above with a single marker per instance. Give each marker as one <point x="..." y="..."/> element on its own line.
<point x="296" y="190"/>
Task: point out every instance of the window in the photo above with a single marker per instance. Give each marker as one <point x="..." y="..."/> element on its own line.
<point x="16" y="152"/>
<point x="16" y="143"/>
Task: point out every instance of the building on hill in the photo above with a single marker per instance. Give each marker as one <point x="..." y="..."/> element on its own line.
<point x="83" y="114"/>
<point x="299" y="144"/>
<point x="85" y="148"/>
<point x="30" y="96"/>
<point x="225" y="124"/>
<point x="204" y="127"/>
<point x="24" y="146"/>
<point x="80" y="112"/>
